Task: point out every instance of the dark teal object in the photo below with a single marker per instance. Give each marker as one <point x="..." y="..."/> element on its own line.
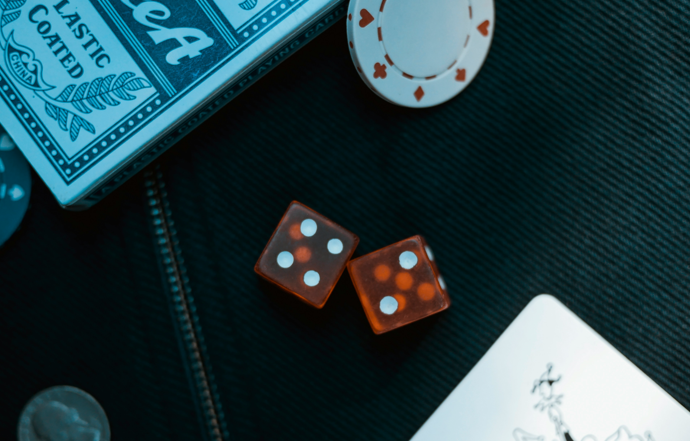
<point x="15" y="186"/>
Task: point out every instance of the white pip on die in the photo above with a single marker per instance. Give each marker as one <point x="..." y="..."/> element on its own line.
<point x="306" y="254"/>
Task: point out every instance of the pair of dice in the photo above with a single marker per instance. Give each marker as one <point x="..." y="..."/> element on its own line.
<point x="397" y="285"/>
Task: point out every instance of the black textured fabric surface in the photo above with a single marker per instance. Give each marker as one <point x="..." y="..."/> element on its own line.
<point x="563" y="169"/>
<point x="81" y="304"/>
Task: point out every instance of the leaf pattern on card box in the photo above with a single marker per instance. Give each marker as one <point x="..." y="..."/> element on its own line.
<point x="102" y="92"/>
<point x="9" y="17"/>
<point x="92" y="95"/>
<point x="5" y="7"/>
<point x="69" y="121"/>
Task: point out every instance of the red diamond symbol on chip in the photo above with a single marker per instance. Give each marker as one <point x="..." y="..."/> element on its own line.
<point x="419" y="93"/>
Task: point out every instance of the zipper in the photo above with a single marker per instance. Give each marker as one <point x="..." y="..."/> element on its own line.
<point x="179" y="294"/>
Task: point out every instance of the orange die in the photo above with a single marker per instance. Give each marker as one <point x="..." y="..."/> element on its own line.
<point x="399" y="284"/>
<point x="307" y="254"/>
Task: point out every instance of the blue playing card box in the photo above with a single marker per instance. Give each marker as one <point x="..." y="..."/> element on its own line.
<point x="93" y="90"/>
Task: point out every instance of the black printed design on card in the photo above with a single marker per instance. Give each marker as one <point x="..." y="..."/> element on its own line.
<point x="550" y="403"/>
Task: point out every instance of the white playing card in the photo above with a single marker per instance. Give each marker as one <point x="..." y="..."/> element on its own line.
<point x="550" y="377"/>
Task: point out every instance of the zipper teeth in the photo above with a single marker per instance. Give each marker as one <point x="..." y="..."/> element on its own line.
<point x="170" y="256"/>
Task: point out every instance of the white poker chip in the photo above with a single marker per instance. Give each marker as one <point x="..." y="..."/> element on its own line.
<point x="417" y="53"/>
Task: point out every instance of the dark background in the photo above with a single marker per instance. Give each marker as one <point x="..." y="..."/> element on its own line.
<point x="563" y="168"/>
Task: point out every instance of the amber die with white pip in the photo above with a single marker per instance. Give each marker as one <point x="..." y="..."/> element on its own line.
<point x="399" y="284"/>
<point x="306" y="254"/>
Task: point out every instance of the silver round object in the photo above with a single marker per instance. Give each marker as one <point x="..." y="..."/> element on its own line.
<point x="63" y="413"/>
